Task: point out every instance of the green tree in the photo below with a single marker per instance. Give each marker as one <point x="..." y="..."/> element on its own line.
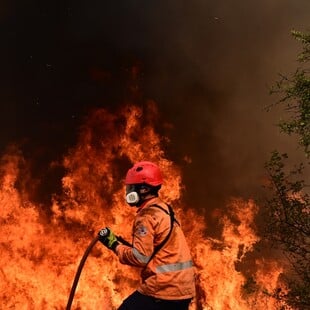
<point x="288" y="209"/>
<point x="295" y="91"/>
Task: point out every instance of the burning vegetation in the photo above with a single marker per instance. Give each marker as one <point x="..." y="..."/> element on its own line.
<point x="41" y="245"/>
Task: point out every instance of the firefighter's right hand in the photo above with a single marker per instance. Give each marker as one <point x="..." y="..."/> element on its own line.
<point x="108" y="239"/>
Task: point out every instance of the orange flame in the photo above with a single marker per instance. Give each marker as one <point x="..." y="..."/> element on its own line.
<point x="41" y="246"/>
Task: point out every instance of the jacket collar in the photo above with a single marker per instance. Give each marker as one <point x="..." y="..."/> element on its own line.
<point x="149" y="202"/>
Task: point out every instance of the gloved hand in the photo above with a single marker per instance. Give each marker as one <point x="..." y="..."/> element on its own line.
<point x="108" y="239"/>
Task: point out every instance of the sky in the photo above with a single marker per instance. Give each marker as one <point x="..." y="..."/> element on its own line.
<point x="207" y="64"/>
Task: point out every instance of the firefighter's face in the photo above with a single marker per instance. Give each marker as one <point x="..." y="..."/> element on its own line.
<point x="135" y="193"/>
<point x="132" y="194"/>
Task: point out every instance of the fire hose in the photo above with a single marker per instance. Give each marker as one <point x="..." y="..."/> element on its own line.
<point x="83" y="260"/>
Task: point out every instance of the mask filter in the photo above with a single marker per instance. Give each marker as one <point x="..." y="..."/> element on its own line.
<point x="132" y="198"/>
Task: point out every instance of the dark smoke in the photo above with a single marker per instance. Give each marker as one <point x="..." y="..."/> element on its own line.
<point x="207" y="64"/>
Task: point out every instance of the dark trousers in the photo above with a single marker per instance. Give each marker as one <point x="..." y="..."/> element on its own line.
<point x="138" y="301"/>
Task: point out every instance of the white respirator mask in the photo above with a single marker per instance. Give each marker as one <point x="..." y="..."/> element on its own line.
<point x="132" y="198"/>
<point x="132" y="194"/>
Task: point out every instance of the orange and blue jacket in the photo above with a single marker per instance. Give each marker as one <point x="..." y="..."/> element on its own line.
<point x="170" y="273"/>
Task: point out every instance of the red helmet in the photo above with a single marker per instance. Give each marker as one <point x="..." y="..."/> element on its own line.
<point x="144" y="172"/>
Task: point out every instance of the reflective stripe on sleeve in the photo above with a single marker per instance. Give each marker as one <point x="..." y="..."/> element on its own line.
<point x="140" y="257"/>
<point x="174" y="267"/>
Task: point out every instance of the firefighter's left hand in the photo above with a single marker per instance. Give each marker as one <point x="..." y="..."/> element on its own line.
<point x="107" y="238"/>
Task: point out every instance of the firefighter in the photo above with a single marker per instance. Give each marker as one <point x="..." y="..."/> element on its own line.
<point x="158" y="247"/>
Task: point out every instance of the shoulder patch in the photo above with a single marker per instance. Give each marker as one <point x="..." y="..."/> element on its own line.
<point x="141" y="230"/>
